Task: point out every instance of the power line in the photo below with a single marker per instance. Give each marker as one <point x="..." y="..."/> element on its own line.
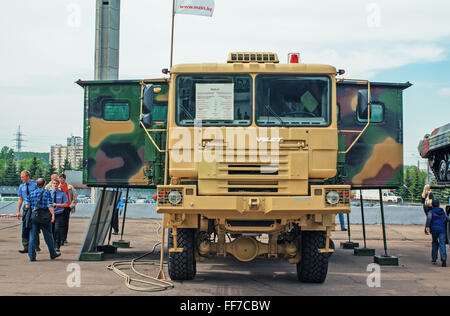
<point x="18" y="139"/>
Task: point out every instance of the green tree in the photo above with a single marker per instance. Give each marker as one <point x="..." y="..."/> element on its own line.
<point x="7" y="153"/>
<point x="66" y="165"/>
<point x="11" y="176"/>
<point x="48" y="173"/>
<point x="34" y="168"/>
<point x="405" y="191"/>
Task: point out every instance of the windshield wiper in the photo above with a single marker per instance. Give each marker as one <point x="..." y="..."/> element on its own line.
<point x="283" y="123"/>
<point x="186" y="111"/>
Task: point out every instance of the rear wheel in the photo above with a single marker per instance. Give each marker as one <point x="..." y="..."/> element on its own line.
<point x="182" y="265"/>
<point x="313" y="267"/>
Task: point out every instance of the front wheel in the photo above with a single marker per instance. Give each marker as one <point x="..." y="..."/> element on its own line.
<point x="182" y="265"/>
<point x="313" y="267"/>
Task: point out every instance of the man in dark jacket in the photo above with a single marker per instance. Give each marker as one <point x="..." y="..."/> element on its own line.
<point x="437" y="226"/>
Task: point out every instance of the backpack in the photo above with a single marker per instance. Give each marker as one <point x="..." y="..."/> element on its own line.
<point x="41" y="215"/>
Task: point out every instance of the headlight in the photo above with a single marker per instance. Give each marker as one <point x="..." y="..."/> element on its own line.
<point x="175" y="197"/>
<point x="332" y="197"/>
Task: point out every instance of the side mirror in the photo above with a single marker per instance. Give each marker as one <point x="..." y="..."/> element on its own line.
<point x="363" y="106"/>
<point x="147" y="103"/>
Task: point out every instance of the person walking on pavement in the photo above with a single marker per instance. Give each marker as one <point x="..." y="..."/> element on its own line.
<point x="437" y="225"/>
<point x="25" y="189"/>
<point x="427" y="198"/>
<point x="41" y="198"/>
<point x="60" y="202"/>
<point x="72" y="197"/>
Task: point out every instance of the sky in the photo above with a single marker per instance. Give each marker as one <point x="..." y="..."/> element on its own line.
<point x="45" y="46"/>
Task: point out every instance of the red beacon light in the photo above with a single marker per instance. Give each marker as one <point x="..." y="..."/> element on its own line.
<point x="341" y="72"/>
<point x="294" y="58"/>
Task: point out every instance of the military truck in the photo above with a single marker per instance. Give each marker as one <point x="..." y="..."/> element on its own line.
<point x="436" y="148"/>
<point x="251" y="158"/>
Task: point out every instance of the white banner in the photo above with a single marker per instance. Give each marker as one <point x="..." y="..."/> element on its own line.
<point x="195" y="7"/>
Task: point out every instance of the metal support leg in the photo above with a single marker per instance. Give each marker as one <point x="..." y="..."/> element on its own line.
<point x="385" y="260"/>
<point x="350" y="244"/>
<point x="123" y="243"/>
<point x="363" y="251"/>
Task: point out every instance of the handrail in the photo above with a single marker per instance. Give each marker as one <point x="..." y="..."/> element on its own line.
<point x="145" y="128"/>
<point x="368" y="114"/>
<point x="151" y="139"/>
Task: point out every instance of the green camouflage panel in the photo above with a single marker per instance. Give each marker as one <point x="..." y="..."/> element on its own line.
<point x="117" y="150"/>
<point x="376" y="159"/>
<point x="436" y="148"/>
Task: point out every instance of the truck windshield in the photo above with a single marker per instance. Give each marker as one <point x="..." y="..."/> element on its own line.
<point x="292" y="100"/>
<point x="219" y="100"/>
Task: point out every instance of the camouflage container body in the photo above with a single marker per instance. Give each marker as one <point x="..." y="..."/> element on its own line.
<point x="436" y="148"/>
<point x="376" y="159"/>
<point x="117" y="151"/>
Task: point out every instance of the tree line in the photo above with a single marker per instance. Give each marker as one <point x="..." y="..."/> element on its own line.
<point x="10" y="170"/>
<point x="414" y="181"/>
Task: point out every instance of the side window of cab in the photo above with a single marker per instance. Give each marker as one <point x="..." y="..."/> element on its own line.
<point x="376" y="113"/>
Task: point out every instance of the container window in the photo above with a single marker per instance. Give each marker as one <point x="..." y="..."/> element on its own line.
<point x="376" y="113"/>
<point x="116" y="111"/>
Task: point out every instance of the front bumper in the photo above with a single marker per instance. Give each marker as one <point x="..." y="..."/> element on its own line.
<point x="253" y="206"/>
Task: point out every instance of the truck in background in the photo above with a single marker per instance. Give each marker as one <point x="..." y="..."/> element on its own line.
<point x="374" y="196"/>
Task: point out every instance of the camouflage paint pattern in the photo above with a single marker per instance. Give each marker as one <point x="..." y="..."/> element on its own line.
<point x="376" y="159"/>
<point x="116" y="152"/>
<point x="120" y="153"/>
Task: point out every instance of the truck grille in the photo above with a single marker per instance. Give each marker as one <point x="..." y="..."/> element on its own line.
<point x="245" y="176"/>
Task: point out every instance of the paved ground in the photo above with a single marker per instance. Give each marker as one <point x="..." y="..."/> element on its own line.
<point x="347" y="274"/>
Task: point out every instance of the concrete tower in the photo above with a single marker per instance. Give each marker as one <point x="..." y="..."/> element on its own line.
<point x="107" y="27"/>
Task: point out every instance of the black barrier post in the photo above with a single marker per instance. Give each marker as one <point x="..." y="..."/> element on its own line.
<point x="122" y="243"/>
<point x="124" y="214"/>
<point x="385" y="260"/>
<point x="363" y="251"/>
<point x="349" y="244"/>
<point x="362" y="218"/>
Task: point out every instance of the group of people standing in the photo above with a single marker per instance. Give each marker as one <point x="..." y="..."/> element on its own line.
<point x="60" y="198"/>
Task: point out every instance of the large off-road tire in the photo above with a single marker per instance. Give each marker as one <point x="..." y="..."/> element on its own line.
<point x="313" y="267"/>
<point x="182" y="265"/>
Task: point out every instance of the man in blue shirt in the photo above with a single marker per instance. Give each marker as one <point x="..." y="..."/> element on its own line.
<point x="45" y="202"/>
<point x="60" y="202"/>
<point x="437" y="226"/>
<point x="24" y="191"/>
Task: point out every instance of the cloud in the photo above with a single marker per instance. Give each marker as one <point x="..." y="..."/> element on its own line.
<point x="445" y="92"/>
